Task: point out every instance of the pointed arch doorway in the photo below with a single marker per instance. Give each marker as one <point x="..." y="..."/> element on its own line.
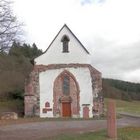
<point x="66" y="95"/>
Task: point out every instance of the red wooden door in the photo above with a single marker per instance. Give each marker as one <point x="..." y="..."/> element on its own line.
<point x="66" y="109"/>
<point x="85" y="112"/>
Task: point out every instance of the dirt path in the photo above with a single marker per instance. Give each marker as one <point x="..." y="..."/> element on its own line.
<point x="38" y="130"/>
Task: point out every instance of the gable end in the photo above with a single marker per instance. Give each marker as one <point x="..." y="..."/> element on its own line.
<point x="72" y="34"/>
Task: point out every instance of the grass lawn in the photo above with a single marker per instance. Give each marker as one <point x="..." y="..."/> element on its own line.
<point x="17" y="106"/>
<point x="11" y="105"/>
<point x="122" y="106"/>
<point x="125" y="106"/>
<point x="128" y="133"/>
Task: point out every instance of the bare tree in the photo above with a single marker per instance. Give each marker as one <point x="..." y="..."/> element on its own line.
<point x="9" y="27"/>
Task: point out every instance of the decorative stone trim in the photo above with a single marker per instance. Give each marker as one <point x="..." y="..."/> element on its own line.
<point x="41" y="68"/>
<point x="32" y="84"/>
<point x="95" y="74"/>
<point x="59" y="98"/>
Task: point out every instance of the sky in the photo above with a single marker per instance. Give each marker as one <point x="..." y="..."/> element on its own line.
<point x="109" y="29"/>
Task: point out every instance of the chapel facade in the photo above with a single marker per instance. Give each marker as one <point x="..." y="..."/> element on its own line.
<point x="63" y="82"/>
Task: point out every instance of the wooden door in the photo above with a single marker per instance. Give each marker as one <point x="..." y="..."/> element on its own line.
<point x="66" y="109"/>
<point x="85" y="112"/>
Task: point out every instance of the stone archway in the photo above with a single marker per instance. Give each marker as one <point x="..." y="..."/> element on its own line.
<point x="66" y="97"/>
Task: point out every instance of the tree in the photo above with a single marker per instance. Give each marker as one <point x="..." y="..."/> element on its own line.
<point x="35" y="51"/>
<point x="9" y="27"/>
<point x="15" y="66"/>
<point x="26" y="50"/>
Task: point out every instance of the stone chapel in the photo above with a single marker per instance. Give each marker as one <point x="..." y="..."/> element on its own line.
<point x="63" y="83"/>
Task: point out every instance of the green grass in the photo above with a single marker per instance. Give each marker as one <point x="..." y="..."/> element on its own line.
<point x="11" y="105"/>
<point x="125" y="106"/>
<point x="128" y="133"/>
<point x="121" y="106"/>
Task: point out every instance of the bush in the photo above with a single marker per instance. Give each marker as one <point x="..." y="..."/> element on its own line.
<point x="17" y="94"/>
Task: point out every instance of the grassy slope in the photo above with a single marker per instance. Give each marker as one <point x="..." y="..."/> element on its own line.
<point x="11" y="105"/>
<point x="118" y="89"/>
<point x="122" y="106"/>
<point x="125" y="106"/>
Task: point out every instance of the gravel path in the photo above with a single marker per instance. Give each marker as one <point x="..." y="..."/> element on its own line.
<point x="38" y="130"/>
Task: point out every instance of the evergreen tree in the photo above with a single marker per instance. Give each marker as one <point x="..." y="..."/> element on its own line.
<point x="26" y="50"/>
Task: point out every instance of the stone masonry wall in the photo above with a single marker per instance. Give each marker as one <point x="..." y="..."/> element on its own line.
<point x="59" y="97"/>
<point x="31" y="98"/>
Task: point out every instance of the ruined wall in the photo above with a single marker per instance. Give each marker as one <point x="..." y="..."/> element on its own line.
<point x="38" y="93"/>
<point x="31" y="96"/>
<point x="98" y="100"/>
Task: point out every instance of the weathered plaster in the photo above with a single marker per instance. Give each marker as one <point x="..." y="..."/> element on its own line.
<point x="54" y="54"/>
<point x="88" y="78"/>
<point x="39" y="88"/>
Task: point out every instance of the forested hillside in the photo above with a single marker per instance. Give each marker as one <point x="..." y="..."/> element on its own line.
<point x="121" y="90"/>
<point x="15" y="66"/>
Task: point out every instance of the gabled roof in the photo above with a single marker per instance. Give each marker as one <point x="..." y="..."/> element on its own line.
<point x="72" y="34"/>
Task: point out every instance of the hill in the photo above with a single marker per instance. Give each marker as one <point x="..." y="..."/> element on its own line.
<point x="119" y="89"/>
<point x="15" y="66"/>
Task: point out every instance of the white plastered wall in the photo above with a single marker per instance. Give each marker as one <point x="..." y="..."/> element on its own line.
<point x="54" y="54"/>
<point x="47" y="79"/>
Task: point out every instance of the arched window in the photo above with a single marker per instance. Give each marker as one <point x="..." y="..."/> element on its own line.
<point x="65" y="42"/>
<point x="66" y="85"/>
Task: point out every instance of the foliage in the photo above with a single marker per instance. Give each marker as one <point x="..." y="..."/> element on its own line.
<point x="9" y="27"/>
<point x="12" y="106"/>
<point x="118" y="89"/>
<point x="16" y="94"/>
<point x="25" y="50"/>
<point x="14" y="68"/>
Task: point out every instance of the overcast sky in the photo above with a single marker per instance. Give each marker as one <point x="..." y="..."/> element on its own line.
<point x="109" y="29"/>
